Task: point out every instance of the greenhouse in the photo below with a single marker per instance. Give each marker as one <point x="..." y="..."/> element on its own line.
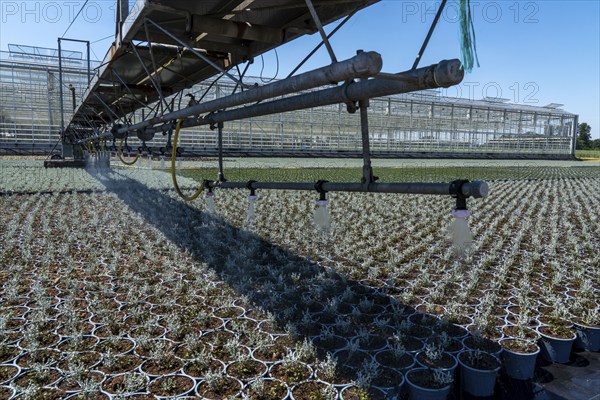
<point x="418" y="124"/>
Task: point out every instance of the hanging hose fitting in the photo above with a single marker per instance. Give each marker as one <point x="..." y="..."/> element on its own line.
<point x="457" y="193"/>
<point x="250" y="188"/>
<point x="322" y="192"/>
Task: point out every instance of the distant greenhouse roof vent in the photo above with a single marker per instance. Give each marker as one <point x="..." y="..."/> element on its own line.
<point x="495" y="100"/>
<point x="554" y="106"/>
<point x="33" y="53"/>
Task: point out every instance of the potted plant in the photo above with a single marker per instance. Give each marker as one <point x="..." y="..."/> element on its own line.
<point x="218" y="386"/>
<point x="434" y="357"/>
<point x="519" y="357"/>
<point x="428" y="384"/>
<point x="588" y="330"/>
<point x="478" y="372"/>
<point x="171" y="386"/>
<point x="556" y="341"/>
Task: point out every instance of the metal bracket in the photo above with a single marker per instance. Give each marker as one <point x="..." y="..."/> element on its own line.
<point x="319" y="188"/>
<point x="249" y="187"/>
<point x="456" y="192"/>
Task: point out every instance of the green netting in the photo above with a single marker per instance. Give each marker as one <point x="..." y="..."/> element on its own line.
<point x="468" y="45"/>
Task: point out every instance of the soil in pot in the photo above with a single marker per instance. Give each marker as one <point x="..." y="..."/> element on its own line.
<point x="70" y="384"/>
<point x="313" y="390"/>
<point x="116" y="346"/>
<point x="199" y="367"/>
<point x="75" y="344"/>
<point x="38" y="378"/>
<point x="164" y="366"/>
<point x="516" y="331"/>
<point x="8" y="372"/>
<point x="266" y="389"/>
<point x="8" y="353"/>
<point x="388" y="378"/>
<point x="125" y="383"/>
<point x="291" y="373"/>
<point x="428" y="384"/>
<point x="119" y="364"/>
<point x="357" y="393"/>
<point x="87" y="359"/>
<point x="352" y="359"/>
<point x="171" y="385"/>
<point x="483" y="344"/>
<point x="247" y="369"/>
<point x="445" y="362"/>
<point x="219" y="388"/>
<point x="390" y="359"/>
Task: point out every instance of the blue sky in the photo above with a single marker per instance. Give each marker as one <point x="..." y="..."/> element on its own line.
<point x="531" y="52"/>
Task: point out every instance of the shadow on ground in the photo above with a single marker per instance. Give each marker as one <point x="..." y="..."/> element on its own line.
<point x="358" y="324"/>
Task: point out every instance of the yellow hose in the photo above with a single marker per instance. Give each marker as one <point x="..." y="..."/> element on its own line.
<point x="137" y="154"/>
<point x="173" y="162"/>
<point x="91" y="149"/>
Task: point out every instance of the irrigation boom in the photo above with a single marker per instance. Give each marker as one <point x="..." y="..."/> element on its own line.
<point x="162" y="49"/>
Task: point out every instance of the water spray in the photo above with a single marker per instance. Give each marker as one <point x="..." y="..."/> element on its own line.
<point x="250" y="212"/>
<point x="321" y="218"/>
<point x="459" y="231"/>
<point x="210" y="201"/>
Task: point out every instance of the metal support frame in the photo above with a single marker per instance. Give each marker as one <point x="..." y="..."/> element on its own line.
<point x="152" y="80"/>
<point x="195" y="52"/>
<point x="284" y="96"/>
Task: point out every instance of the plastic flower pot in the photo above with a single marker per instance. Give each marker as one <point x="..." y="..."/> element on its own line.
<point x="555" y="349"/>
<point x="588" y="337"/>
<point x="519" y="363"/>
<point x="421" y="385"/>
<point x="478" y="377"/>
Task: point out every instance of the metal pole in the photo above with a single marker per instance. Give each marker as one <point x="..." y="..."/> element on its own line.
<point x="366" y="146"/>
<point x="72" y="89"/>
<point x="221" y="176"/>
<point x="89" y="64"/>
<point x="475" y="189"/>
<point x="315" y="17"/>
<point x="60" y="92"/>
<point x="364" y="65"/>
<point x="574" y="132"/>
<point x="317" y="47"/>
<point x="435" y="21"/>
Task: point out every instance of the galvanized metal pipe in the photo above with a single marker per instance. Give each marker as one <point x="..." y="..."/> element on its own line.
<point x="444" y="74"/>
<point x="363" y="65"/>
<point x="476" y="189"/>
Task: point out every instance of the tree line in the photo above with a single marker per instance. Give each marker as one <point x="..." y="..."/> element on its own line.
<point x="584" y="138"/>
